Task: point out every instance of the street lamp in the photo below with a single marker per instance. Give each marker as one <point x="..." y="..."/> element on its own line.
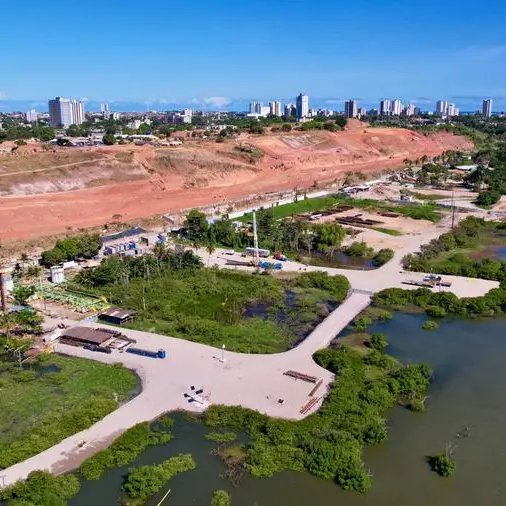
<point x="222" y="359"/>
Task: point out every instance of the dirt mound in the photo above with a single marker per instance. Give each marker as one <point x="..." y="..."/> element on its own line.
<point x="50" y="192"/>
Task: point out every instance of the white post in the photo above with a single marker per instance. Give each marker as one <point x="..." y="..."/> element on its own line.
<point x="222" y="353"/>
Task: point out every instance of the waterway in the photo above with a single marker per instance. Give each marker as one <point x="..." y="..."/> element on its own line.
<point x="468" y="391"/>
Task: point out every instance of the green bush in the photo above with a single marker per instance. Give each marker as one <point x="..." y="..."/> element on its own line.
<point x="430" y="325"/>
<point x="442" y="465"/>
<point x="41" y="489"/>
<point x="382" y="257"/>
<point x="123" y="451"/>
<point x="379" y="342"/>
<point x="145" y="481"/>
<point x="220" y="498"/>
<point x="488" y="198"/>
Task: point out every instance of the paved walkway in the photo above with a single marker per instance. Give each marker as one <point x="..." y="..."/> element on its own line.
<point x="253" y="381"/>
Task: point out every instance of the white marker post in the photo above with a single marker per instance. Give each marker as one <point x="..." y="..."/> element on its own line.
<point x="222" y="359"/>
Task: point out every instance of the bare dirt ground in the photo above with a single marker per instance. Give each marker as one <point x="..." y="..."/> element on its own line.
<point x="44" y="193"/>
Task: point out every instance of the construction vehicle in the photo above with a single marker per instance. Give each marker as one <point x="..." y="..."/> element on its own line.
<point x="147" y="353"/>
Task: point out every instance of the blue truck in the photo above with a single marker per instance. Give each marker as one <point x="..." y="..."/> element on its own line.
<point x="147" y="353"/>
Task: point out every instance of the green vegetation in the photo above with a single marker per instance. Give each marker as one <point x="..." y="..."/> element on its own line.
<point x="60" y="396"/>
<point x="382" y="257"/>
<point x="488" y="198"/>
<point x="220" y="498"/>
<point x="449" y="253"/>
<point x="72" y="248"/>
<point x="221" y="437"/>
<point x="379" y="342"/>
<point x="124" y="450"/>
<point x="329" y="442"/>
<point x="439" y="304"/>
<point x="210" y="305"/>
<point x="389" y="231"/>
<point x="109" y="140"/>
<point x="442" y="464"/>
<point x="145" y="481"/>
<point x="430" y="325"/>
<point x="41" y="489"/>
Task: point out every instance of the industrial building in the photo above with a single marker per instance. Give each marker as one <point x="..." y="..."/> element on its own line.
<point x="116" y="316"/>
<point x="80" y="336"/>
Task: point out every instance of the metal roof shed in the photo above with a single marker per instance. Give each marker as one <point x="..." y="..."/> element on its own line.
<point x="116" y="315"/>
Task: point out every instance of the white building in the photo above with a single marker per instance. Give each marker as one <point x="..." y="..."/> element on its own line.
<point x="64" y="112"/>
<point x="452" y="110"/>
<point x="187" y="116"/>
<point x="275" y="108"/>
<point x="255" y="107"/>
<point x="351" y="109"/>
<point x="396" y="107"/>
<point x="302" y="107"/>
<point x="441" y="107"/>
<point x="116" y="115"/>
<point x="362" y="111"/>
<point x="265" y="110"/>
<point x="409" y="110"/>
<point x="385" y="107"/>
<point x="487" y="108"/>
<point x="134" y="124"/>
<point x="104" y="107"/>
<point x="77" y="112"/>
<point x="31" y="116"/>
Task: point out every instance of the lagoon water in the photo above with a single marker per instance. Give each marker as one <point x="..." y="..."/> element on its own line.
<point x="469" y="390"/>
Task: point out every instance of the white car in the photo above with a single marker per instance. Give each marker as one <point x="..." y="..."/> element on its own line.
<point x="230" y="252"/>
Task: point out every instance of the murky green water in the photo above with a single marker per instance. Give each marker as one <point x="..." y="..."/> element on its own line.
<point x="469" y="359"/>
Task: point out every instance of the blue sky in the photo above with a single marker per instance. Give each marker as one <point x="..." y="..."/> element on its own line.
<point x="222" y="53"/>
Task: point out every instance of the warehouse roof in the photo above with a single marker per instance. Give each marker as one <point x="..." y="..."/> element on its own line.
<point x="85" y="334"/>
<point x="116" y="312"/>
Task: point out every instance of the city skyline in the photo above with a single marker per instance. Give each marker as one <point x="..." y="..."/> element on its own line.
<point x="423" y="56"/>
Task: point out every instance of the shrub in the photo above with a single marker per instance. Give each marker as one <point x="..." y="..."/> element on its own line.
<point x="145" y="481"/>
<point x="220" y="498"/>
<point x="488" y="198"/>
<point x="430" y="325"/>
<point x="442" y="465"/>
<point x="382" y="257"/>
<point x="379" y="342"/>
<point x="221" y="437"/>
<point x="41" y="489"/>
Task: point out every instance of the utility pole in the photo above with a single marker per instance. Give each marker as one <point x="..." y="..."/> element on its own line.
<point x="255" y="237"/>
<point x="453" y="207"/>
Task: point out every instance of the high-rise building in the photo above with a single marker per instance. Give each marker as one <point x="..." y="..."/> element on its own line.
<point x="385" y="107"/>
<point x="104" y="107"/>
<point x="362" y="111"/>
<point x="31" y="116"/>
<point x="275" y="108"/>
<point x="441" y="107"/>
<point x="409" y="110"/>
<point x="60" y="112"/>
<point x="487" y="108"/>
<point x="187" y="116"/>
<point x="265" y="110"/>
<point x="396" y="107"/>
<point x="302" y="107"/>
<point x="451" y="110"/>
<point x="290" y="110"/>
<point x="77" y="112"/>
<point x="350" y="109"/>
<point x="255" y="107"/>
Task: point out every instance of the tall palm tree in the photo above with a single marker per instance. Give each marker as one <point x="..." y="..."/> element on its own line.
<point x="210" y="248"/>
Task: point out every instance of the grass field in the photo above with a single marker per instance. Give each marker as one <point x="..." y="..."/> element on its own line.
<point x="43" y="404"/>
<point x="416" y="211"/>
<point x="248" y="313"/>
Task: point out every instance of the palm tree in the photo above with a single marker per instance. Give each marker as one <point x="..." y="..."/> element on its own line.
<point x="210" y="248"/>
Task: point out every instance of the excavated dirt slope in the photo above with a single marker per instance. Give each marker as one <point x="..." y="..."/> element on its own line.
<point x="47" y="192"/>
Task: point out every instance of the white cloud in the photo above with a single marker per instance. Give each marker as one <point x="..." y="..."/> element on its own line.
<point x="217" y="101"/>
<point x="84" y="99"/>
<point x="333" y="101"/>
<point x="2" y="95"/>
<point x="196" y="101"/>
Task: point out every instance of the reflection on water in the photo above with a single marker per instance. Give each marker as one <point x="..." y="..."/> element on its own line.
<point x="468" y="391"/>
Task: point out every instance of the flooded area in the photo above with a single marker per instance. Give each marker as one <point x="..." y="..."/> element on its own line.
<point x="468" y="391"/>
